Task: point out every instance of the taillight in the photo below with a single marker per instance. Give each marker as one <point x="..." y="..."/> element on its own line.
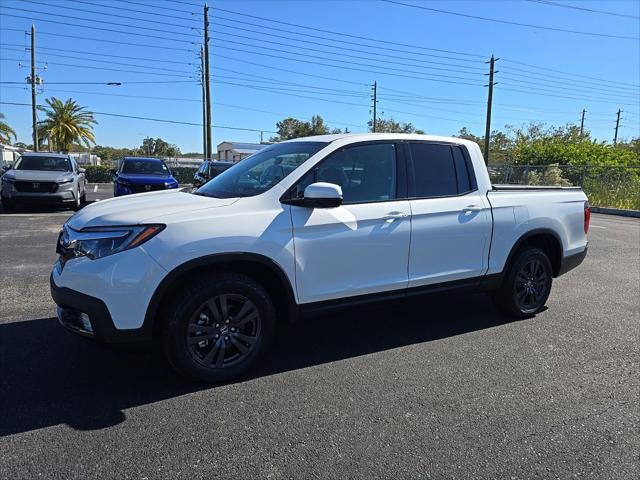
<point x="587" y="217"/>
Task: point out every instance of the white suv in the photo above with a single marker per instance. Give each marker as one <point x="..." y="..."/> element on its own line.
<point x="305" y="225"/>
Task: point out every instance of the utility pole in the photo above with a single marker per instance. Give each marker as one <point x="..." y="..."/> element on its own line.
<point x="615" y="137"/>
<point x="205" y="140"/>
<point x="487" y="131"/>
<point x="34" y="118"/>
<point x="207" y="83"/>
<point x="582" y="122"/>
<point x="374" y="93"/>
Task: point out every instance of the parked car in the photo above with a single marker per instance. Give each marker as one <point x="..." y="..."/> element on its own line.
<point x="140" y="175"/>
<point x="360" y="218"/>
<point x="208" y="170"/>
<point x="44" y="178"/>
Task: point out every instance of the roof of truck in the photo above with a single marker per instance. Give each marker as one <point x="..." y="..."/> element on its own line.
<point x="378" y="136"/>
<point x="45" y="154"/>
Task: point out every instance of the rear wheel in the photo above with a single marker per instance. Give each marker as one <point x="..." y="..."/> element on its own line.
<point x="526" y="285"/>
<point x="218" y="327"/>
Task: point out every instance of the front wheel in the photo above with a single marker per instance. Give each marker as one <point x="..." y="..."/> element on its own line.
<point x="218" y="327"/>
<point x="526" y="285"/>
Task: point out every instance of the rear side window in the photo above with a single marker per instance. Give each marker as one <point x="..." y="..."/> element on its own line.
<point x="462" y="173"/>
<point x="439" y="170"/>
<point x="434" y="170"/>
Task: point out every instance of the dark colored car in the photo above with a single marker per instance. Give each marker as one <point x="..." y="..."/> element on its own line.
<point x="140" y="175"/>
<point x="208" y="170"/>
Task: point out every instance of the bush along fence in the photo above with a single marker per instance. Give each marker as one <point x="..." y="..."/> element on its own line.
<point x="102" y="174"/>
<point x="606" y="186"/>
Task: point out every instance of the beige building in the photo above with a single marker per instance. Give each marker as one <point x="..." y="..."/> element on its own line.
<point x="236" y="151"/>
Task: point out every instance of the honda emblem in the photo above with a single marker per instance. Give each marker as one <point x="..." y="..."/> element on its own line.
<point x="35" y="185"/>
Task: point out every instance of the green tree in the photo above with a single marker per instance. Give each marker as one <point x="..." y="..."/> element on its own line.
<point x="112" y="153"/>
<point x="294" y="128"/>
<point x="159" y="148"/>
<point x="6" y="132"/>
<point x="66" y="123"/>
<point x="392" y="126"/>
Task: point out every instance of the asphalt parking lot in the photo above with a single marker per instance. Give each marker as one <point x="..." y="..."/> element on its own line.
<point x="443" y="388"/>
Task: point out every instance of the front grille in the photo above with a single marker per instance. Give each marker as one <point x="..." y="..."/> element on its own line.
<point x="36" y="187"/>
<point x="146" y="188"/>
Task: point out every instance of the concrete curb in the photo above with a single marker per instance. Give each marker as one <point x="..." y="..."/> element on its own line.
<point x="616" y="211"/>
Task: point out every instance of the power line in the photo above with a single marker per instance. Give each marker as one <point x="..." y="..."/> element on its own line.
<point x="110" y="30"/>
<point x="164" y="8"/>
<point x="562" y="96"/>
<point x="104" y="62"/>
<point x="509" y="22"/>
<point x="343" y="34"/>
<point x="146" y="59"/>
<point x="103" y="22"/>
<point x="118" y="83"/>
<point x="77" y="9"/>
<point x="341" y="41"/>
<point x="156" y="119"/>
<point x="427" y="79"/>
<point x="557" y="78"/>
<point x="584" y="9"/>
<point x="92" y="67"/>
<point x="101" y="40"/>
<point x="544" y="68"/>
<point x="306" y="55"/>
<point x="146" y="12"/>
<point x="341" y="47"/>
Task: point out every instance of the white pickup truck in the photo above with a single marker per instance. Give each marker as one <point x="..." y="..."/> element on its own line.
<point x="306" y="225"/>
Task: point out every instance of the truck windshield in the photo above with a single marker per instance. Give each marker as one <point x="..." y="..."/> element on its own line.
<point x="261" y="171"/>
<point x="53" y="164"/>
<point x="145" y="167"/>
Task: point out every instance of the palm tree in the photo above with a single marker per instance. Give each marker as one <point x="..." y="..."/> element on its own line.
<point x="6" y="132"/>
<point x="66" y="123"/>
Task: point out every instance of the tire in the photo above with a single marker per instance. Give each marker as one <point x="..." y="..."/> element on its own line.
<point x="229" y="346"/>
<point x="526" y="285"/>
<point x="83" y="198"/>
<point x="8" y="205"/>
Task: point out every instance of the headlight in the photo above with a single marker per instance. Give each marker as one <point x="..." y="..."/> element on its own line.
<point x="8" y="179"/>
<point x="122" y="182"/>
<point x="170" y="184"/>
<point x="98" y="242"/>
<point x="65" y="180"/>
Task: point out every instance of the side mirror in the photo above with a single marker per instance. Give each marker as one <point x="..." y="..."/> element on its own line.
<point x="320" y="195"/>
<point x="82" y="170"/>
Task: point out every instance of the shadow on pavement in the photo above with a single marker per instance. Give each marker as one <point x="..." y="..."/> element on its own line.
<point x="49" y="376"/>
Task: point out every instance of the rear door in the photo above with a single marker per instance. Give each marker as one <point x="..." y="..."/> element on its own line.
<point x="450" y="219"/>
<point x="361" y="247"/>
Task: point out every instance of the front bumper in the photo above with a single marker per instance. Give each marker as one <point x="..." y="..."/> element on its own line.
<point x="89" y="316"/>
<point x="61" y="196"/>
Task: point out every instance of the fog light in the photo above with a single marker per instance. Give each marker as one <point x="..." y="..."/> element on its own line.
<point x="84" y="321"/>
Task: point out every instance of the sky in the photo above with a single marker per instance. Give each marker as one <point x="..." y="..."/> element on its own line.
<point x="275" y="59"/>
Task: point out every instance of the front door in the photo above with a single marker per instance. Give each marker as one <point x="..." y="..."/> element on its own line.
<point x="361" y="247"/>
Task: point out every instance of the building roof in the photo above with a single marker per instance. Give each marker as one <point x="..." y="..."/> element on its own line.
<point x="244" y="146"/>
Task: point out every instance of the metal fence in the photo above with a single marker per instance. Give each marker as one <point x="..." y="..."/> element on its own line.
<point x="610" y="186"/>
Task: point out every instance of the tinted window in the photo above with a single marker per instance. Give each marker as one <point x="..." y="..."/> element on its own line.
<point x="145" y="167"/>
<point x="462" y="173"/>
<point x="434" y="170"/>
<point x="44" y="163"/>
<point x="366" y="173"/>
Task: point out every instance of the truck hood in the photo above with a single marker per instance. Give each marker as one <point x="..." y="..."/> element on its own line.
<point x="37" y="175"/>
<point x="142" y="207"/>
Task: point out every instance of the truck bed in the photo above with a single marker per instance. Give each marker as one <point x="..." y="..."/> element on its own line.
<point x="511" y="187"/>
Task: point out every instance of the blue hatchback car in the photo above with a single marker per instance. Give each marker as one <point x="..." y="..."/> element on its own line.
<point x="141" y="174"/>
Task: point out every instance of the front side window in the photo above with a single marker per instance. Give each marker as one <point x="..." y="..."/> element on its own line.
<point x="366" y="173"/>
<point x="53" y="164"/>
<point x="261" y="171"/>
<point x="144" y="167"/>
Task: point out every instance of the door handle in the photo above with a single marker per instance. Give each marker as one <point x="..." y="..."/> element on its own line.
<point x="391" y="216"/>
<point x="472" y="208"/>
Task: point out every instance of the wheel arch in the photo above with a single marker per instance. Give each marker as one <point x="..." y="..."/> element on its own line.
<point x="545" y="239"/>
<point x="258" y="267"/>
